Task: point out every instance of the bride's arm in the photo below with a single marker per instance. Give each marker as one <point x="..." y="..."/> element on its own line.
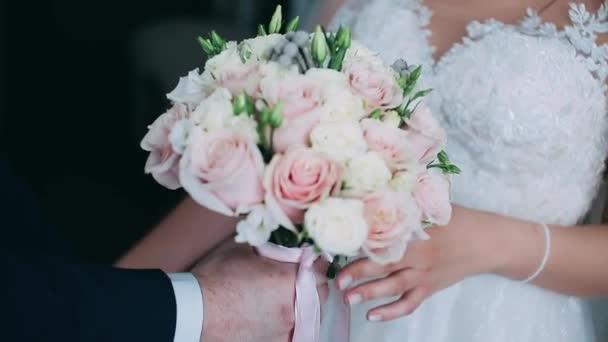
<point x="578" y="259"/>
<point x="180" y="240"/>
<point x="477" y="242"/>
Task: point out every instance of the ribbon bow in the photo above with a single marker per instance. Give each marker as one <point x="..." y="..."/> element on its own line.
<point x="307" y="305"/>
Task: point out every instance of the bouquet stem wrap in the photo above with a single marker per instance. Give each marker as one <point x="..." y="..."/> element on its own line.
<point x="307" y="304"/>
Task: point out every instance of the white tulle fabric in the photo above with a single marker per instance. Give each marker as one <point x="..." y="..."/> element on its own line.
<point x="525" y="110"/>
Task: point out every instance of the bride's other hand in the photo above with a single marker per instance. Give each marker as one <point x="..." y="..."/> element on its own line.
<point x="460" y="250"/>
<point x="478" y="242"/>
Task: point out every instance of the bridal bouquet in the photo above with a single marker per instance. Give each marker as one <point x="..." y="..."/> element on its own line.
<point x="319" y="145"/>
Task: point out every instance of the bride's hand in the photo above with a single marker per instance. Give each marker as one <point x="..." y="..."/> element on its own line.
<point x="452" y="253"/>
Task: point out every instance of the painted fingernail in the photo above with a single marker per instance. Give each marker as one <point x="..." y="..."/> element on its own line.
<point x="375" y="318"/>
<point x="345" y="282"/>
<point x="355" y="299"/>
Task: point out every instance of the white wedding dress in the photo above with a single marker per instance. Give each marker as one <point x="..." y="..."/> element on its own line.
<point x="525" y="111"/>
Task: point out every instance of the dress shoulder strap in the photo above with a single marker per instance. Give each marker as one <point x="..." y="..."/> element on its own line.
<point x="582" y="34"/>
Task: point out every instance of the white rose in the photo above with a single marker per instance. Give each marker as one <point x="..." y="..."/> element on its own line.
<point x="259" y="48"/>
<point x="342" y="104"/>
<point x="358" y="52"/>
<point x="341" y="141"/>
<point x="232" y="73"/>
<point x="393" y="118"/>
<point x="337" y="225"/>
<point x="179" y="135"/>
<point x="192" y="89"/>
<point x="257" y="228"/>
<point x="339" y="102"/>
<point x="405" y="181"/>
<point x="328" y="77"/>
<point x="216" y="112"/>
<point x="365" y="173"/>
<point x="228" y="56"/>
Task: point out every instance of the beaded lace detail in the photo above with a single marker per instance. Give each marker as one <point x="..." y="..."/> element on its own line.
<point x="581" y="33"/>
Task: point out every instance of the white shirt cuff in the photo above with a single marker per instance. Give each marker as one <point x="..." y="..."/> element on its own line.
<point x="189" y="301"/>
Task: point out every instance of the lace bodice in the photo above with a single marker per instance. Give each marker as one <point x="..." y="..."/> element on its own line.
<point x="524" y="105"/>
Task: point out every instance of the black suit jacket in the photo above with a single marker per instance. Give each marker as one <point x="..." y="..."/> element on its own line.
<point x="48" y="296"/>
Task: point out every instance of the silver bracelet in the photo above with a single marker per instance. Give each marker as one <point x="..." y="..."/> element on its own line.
<point x="543" y="263"/>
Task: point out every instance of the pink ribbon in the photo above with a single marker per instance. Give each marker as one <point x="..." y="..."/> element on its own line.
<point x="307" y="304"/>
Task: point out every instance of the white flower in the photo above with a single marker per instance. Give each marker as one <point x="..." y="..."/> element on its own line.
<point x="216" y="112"/>
<point x="337" y="225"/>
<point x="393" y="118"/>
<point x="257" y="228"/>
<point x="179" y="135"/>
<point x="405" y="181"/>
<point x="230" y="72"/>
<point x="339" y="102"/>
<point x="228" y="56"/>
<point x="341" y="141"/>
<point x="359" y="53"/>
<point x="259" y="48"/>
<point x="365" y="173"/>
<point x="213" y="111"/>
<point x="192" y="89"/>
<point x="328" y="77"/>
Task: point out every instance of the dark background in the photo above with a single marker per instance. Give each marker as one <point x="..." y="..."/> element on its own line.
<point x="79" y="83"/>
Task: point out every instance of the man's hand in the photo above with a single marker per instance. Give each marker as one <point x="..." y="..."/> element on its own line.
<point x="247" y="298"/>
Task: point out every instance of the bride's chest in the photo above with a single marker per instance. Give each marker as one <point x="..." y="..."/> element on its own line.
<point x="506" y="88"/>
<point x="518" y="90"/>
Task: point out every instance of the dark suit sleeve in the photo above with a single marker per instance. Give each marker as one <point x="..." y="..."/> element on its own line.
<point x="53" y="300"/>
<point x="47" y="296"/>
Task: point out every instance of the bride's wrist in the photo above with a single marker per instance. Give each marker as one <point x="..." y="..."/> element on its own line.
<point x="519" y="249"/>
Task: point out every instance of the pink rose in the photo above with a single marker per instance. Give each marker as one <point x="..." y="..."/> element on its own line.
<point x="223" y="171"/>
<point x="425" y="135"/>
<point x="295" y="132"/>
<point x="163" y="161"/>
<point x="239" y="77"/>
<point x="378" y="87"/>
<point x="296" y="180"/>
<point x="299" y="94"/>
<point x="390" y="142"/>
<point x="301" y="97"/>
<point x="432" y="193"/>
<point x="393" y="218"/>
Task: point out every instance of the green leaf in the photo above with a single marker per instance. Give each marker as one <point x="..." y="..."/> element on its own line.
<point x="420" y="94"/>
<point x="443" y="157"/>
<point x="337" y="61"/>
<point x="331" y="40"/>
<point x="285" y="237"/>
<point x="453" y="169"/>
<point x="376" y="114"/>
<point x="415" y="75"/>
<point x="403" y="82"/>
<point x="334" y="268"/>
<point x="407" y="89"/>
<point x="265" y="117"/>
<point x="292" y="26"/>
<point x="262" y="30"/>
